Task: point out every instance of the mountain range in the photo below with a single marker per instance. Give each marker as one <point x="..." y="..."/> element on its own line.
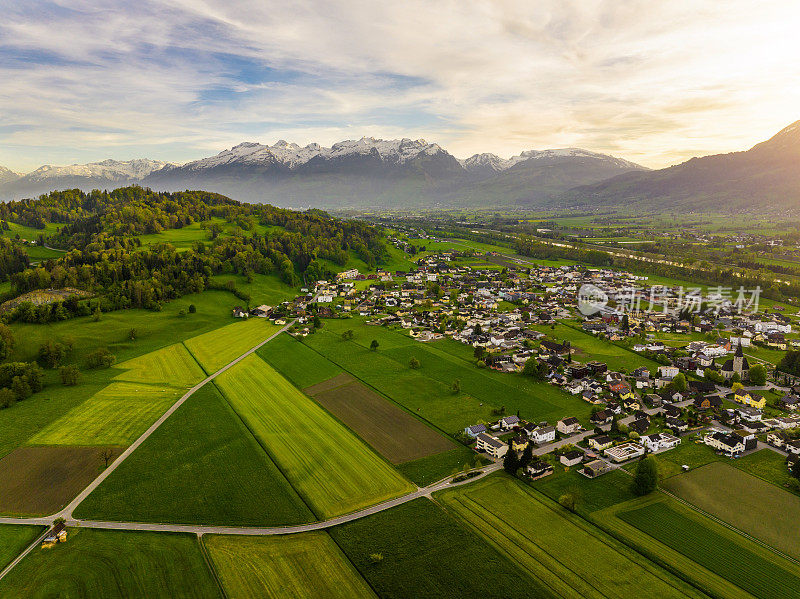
<point x="405" y="173"/>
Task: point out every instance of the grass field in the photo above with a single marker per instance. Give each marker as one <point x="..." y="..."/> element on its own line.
<point x="555" y="546"/>
<point x="216" y="348"/>
<point x="733" y="559"/>
<point x="765" y="464"/>
<point x="202" y="466"/>
<point x="42" y="480"/>
<point x="431" y="469"/>
<point x="298" y="362"/>
<point x="427" y="553"/>
<point x="308" y="565"/>
<point x="104" y="563"/>
<point x="750" y="504"/>
<point x="14" y="539"/>
<point x="116" y="415"/>
<point x="172" y="365"/>
<point x="329" y="466"/>
<point x="427" y="390"/>
<point x="590" y="495"/>
<point x="670" y="463"/>
<point x="391" y="431"/>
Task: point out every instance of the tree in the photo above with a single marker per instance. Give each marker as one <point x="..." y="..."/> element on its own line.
<point x="758" y="374"/>
<point x="796" y="469"/>
<point x="348" y="334"/>
<point x="6" y="341"/>
<point x="106" y="456"/>
<point x="7" y="398"/>
<point x="456" y="387"/>
<point x="480" y="364"/>
<point x="97" y="314"/>
<point x="413" y="363"/>
<point x="679" y="382"/>
<point x="192" y="308"/>
<point x="511" y="462"/>
<point x="133" y="334"/>
<point x="736" y="386"/>
<point x="51" y="353"/>
<point x="374" y="345"/>
<point x="70" y="375"/>
<point x="736" y="378"/>
<point x="527" y="456"/>
<point x="477" y="330"/>
<point x="100" y="358"/>
<point x="479" y="352"/>
<point x="646" y="479"/>
<point x="537" y="371"/>
<point x="317" y="322"/>
<point x="567" y="500"/>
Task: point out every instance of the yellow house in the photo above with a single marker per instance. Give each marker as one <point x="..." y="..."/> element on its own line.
<point x="519" y="443"/>
<point x="743" y="397"/>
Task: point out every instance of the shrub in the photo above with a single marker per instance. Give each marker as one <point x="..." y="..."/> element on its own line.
<point x="100" y="358"/>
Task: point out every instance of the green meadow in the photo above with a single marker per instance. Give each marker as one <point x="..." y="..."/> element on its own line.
<point x="333" y="470"/>
<point x="14" y="539"/>
<point x="202" y="466"/>
<point x="215" y="349"/>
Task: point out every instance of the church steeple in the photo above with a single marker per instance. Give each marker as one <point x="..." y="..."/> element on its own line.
<point x="738" y="359"/>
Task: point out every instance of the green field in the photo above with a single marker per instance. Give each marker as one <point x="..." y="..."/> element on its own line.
<point x="752" y="505"/>
<point x="298" y="362"/>
<point x="555" y="546"/>
<point x="426" y="553"/>
<point x="733" y="559"/>
<point x="116" y="415"/>
<point x="427" y="390"/>
<point x="308" y="565"/>
<point x="202" y="466"/>
<point x="216" y="348"/>
<point x="590" y="495"/>
<point x="428" y="470"/>
<point x="172" y="365"/>
<point x="104" y="563"/>
<point x="765" y="464"/>
<point x="333" y="470"/>
<point x="14" y="539"/>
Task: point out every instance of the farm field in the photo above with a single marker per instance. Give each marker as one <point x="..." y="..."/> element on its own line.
<point x="115" y="415"/>
<point x="765" y="464"/>
<point x="202" y="466"/>
<point x="590" y="495"/>
<point x="431" y="469"/>
<point x="307" y="565"/>
<point x="752" y="505"/>
<point x="14" y="539"/>
<point x="670" y="463"/>
<point x="334" y="471"/>
<point x="426" y="391"/>
<point x="105" y="563"/>
<point x="391" y="431"/>
<point x="740" y="562"/>
<point x="297" y="362"/>
<point x="427" y="553"/>
<point x="556" y="547"/>
<point x="42" y="480"/>
<point x="172" y="365"/>
<point x="218" y="347"/>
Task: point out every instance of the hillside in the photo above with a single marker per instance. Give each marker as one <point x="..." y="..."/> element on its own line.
<point x="767" y="175"/>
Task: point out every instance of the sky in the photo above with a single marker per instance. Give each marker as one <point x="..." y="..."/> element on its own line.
<point x="652" y="82"/>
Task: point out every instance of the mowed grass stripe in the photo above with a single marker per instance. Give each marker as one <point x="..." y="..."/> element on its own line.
<point x="115" y="415"/>
<point x="305" y="566"/>
<point x="721" y="555"/>
<point x="297" y="362"/>
<point x="216" y="348"/>
<point x="556" y="547"/>
<point x="330" y="467"/>
<point x="171" y="365"/>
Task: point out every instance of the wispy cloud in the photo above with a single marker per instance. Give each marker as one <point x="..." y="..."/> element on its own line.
<point x="652" y="82"/>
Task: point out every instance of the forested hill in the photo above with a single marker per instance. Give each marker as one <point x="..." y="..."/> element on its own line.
<point x="104" y="254"/>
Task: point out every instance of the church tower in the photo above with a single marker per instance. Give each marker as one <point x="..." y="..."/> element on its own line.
<point x="738" y="360"/>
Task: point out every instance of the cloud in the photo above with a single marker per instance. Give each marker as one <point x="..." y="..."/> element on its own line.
<point x="175" y="80"/>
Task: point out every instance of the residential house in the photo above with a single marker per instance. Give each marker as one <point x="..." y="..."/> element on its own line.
<point x="568" y="426"/>
<point x="538" y="469"/>
<point x="475" y="430"/>
<point x="543" y="434"/>
<point x="749" y="399"/>
<point x="571" y="458"/>
<point x="728" y="444"/>
<point x="494" y="447"/>
<point x="519" y="443"/>
<point x="596" y="468"/>
<point x="600" y="442"/>
<point x="509" y="422"/>
<point x="659" y="441"/>
<point x="624" y="452"/>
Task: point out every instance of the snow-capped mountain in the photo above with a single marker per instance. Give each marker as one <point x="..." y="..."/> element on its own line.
<point x="107" y="170"/>
<point x="7" y="175"/>
<point x="351" y="173"/>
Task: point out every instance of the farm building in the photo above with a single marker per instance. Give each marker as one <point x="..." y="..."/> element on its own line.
<point x="58" y="534"/>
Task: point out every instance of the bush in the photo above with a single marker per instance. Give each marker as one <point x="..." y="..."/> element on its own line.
<point x="51" y="354"/>
<point x="567" y="500"/>
<point x="100" y="358"/>
<point x="192" y="309"/>
<point x="7" y="398"/>
<point x="70" y="375"/>
<point x="413" y="363"/>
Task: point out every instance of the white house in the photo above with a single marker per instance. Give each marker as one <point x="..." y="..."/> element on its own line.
<point x="567" y="426"/>
<point x="659" y="441"/>
<point x="543" y="434"/>
<point x="668" y="372"/>
<point x="475" y="430"/>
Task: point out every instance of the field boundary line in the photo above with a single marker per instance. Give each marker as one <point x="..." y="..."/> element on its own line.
<point x="25" y="552"/>
<point x="210" y="564"/>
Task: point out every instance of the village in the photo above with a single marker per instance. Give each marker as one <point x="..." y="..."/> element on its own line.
<point x="694" y="384"/>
